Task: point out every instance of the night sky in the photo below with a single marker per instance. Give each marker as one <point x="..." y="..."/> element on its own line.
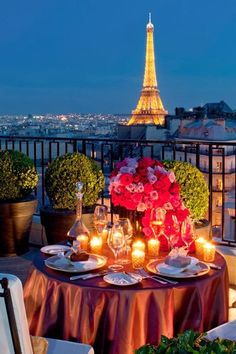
<point x="62" y="56"/>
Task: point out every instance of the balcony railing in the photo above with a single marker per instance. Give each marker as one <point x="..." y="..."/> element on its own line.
<point x="107" y="151"/>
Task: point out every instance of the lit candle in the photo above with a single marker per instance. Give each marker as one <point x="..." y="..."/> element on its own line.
<point x="199" y="243"/>
<point x="138" y="245"/>
<point x="153" y="247"/>
<point x="209" y="252"/>
<point x="83" y="239"/>
<point x="138" y="258"/>
<point x="96" y="244"/>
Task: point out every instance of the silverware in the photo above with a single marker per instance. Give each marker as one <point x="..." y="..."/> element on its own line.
<point x="214" y="266"/>
<point x="89" y="275"/>
<point x="145" y="275"/>
<point x="157" y="278"/>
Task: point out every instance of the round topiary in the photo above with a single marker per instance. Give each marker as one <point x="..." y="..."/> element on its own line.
<point x="63" y="173"/>
<point x="18" y="176"/>
<point x="193" y="187"/>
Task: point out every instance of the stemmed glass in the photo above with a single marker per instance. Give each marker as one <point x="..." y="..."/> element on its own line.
<point x="157" y="219"/>
<point x="128" y="234"/>
<point x="172" y="232"/>
<point x="187" y="232"/>
<point x="100" y="218"/>
<point x="116" y="240"/>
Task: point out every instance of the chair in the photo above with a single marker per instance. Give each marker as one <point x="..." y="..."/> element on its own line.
<point x="14" y="330"/>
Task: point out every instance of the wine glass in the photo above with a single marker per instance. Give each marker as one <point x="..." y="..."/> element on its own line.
<point x="128" y="234"/>
<point x="187" y="232"/>
<point x="172" y="230"/>
<point x="100" y="218"/>
<point x="157" y="219"/>
<point x="116" y="240"/>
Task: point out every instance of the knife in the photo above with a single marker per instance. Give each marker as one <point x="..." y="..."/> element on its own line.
<point x="214" y="266"/>
<point x="89" y="275"/>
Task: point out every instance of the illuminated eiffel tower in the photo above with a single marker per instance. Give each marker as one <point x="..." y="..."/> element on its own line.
<point x="149" y="109"/>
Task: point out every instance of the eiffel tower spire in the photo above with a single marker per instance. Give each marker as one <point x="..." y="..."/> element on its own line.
<point x="149" y="109"/>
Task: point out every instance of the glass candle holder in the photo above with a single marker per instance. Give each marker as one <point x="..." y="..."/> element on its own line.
<point x="83" y="239"/>
<point x="138" y="258"/>
<point x="96" y="244"/>
<point x="209" y="252"/>
<point x="153" y="247"/>
<point x="138" y="245"/>
<point x="199" y="243"/>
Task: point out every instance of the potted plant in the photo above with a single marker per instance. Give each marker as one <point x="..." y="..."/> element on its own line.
<point x="194" y="192"/>
<point x="18" y="178"/>
<point x="60" y="184"/>
<point x="189" y="342"/>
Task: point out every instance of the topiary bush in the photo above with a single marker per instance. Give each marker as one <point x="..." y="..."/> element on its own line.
<point x="194" y="189"/>
<point x="63" y="173"/>
<point x="18" y="176"/>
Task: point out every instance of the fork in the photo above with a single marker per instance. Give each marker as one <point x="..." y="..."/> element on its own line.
<point x="155" y="277"/>
<point x="145" y="275"/>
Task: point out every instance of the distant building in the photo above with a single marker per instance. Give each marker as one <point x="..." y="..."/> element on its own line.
<point x="212" y="122"/>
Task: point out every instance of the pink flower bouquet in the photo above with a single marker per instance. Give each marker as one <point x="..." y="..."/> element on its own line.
<point x="144" y="184"/>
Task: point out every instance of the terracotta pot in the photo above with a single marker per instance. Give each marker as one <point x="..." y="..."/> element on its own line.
<point x="15" y="224"/>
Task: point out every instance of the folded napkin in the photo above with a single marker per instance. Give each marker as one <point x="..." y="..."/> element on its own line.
<point x="192" y="268"/>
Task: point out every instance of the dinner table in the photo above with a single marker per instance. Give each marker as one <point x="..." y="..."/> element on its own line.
<point x="119" y="319"/>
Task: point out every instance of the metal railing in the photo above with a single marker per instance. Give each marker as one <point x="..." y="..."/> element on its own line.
<point x="221" y="180"/>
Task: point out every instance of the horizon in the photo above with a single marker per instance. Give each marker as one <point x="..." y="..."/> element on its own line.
<point x="89" y="57"/>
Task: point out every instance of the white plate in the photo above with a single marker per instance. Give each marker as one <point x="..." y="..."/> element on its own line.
<point x="65" y="265"/>
<point x="170" y="270"/>
<point x="122" y="279"/>
<point x="54" y="249"/>
<point x="195" y="269"/>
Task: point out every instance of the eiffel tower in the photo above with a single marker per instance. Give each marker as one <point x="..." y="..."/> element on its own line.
<point x="149" y="109"/>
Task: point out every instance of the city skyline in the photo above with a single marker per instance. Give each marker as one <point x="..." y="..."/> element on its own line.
<point x="89" y="57"/>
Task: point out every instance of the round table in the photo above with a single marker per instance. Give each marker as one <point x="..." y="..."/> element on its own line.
<point x="117" y="320"/>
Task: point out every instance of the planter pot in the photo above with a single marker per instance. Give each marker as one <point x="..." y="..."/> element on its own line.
<point x="15" y="224"/>
<point x="203" y="229"/>
<point x="57" y="223"/>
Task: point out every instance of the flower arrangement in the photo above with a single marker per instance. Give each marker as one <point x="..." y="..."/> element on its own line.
<point x="144" y="184"/>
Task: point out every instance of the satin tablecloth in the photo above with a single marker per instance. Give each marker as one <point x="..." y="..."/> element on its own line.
<point x="117" y="320"/>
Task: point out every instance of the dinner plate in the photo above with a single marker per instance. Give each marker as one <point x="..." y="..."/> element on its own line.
<point x="54" y="249"/>
<point x="122" y="279"/>
<point x="195" y="269"/>
<point x="63" y="264"/>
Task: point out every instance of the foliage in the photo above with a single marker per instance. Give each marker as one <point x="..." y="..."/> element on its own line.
<point x="194" y="189"/>
<point x="18" y="176"/>
<point x="189" y="342"/>
<point x="63" y="173"/>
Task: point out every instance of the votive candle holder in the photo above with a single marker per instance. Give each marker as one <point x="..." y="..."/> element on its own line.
<point x="96" y="244"/>
<point x="153" y="247"/>
<point x="209" y="251"/>
<point x="199" y="243"/>
<point x="83" y="239"/>
<point x="138" y="258"/>
<point x="138" y="245"/>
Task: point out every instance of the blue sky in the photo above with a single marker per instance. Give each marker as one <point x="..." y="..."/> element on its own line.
<point x="63" y="56"/>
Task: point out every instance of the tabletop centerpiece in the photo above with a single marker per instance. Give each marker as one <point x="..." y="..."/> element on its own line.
<point x="141" y="185"/>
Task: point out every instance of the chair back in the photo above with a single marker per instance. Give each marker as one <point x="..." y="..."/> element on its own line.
<point x="14" y="330"/>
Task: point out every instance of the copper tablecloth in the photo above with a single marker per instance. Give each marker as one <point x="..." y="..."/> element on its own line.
<point x="118" y="320"/>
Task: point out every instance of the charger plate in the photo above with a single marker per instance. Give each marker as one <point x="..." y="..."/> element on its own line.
<point x="195" y="269"/>
<point x="63" y="264"/>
